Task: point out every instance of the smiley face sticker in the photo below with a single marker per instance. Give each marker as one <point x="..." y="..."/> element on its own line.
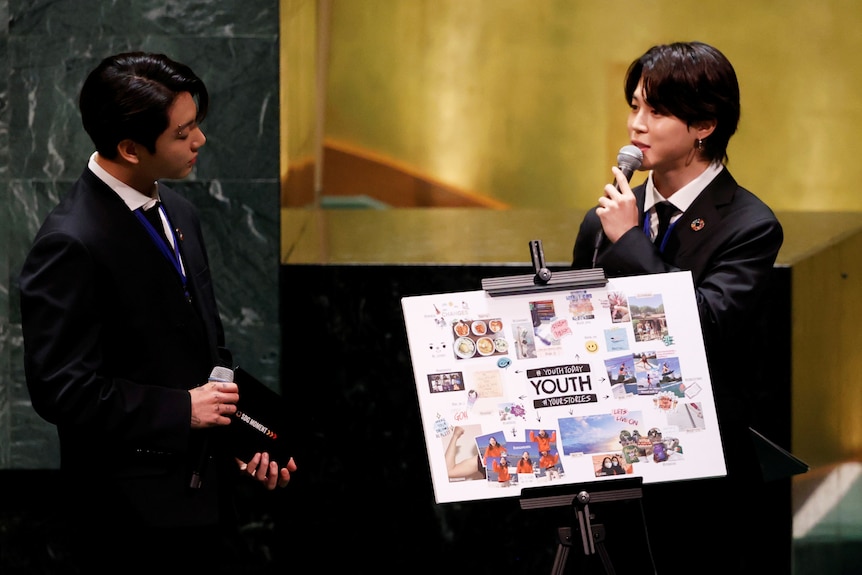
<point x="592" y="346"/>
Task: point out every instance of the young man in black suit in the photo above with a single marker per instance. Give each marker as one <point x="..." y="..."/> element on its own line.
<point x="685" y="106"/>
<point x="121" y="332"/>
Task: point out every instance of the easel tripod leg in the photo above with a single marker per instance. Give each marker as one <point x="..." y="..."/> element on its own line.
<point x="564" y="543"/>
<point x="599" y="538"/>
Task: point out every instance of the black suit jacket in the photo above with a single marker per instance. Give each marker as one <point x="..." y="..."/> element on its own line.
<point x="111" y="346"/>
<point x="729" y="240"/>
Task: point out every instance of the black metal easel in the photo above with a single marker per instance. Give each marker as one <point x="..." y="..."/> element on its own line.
<point x="578" y="498"/>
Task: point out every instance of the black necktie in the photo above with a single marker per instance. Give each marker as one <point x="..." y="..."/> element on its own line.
<point x="156" y="220"/>
<point x="664" y="211"/>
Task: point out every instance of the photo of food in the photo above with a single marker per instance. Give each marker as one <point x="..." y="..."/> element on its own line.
<point x="479" y="338"/>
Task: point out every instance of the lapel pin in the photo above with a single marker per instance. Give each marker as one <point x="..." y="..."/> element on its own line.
<point x="182" y="238"/>
<point x="697" y="224"/>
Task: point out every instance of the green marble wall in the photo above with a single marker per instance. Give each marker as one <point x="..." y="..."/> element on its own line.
<point x="46" y="50"/>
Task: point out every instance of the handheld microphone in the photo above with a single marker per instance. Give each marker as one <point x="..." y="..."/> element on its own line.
<point x="629" y="159"/>
<point x="219" y="373"/>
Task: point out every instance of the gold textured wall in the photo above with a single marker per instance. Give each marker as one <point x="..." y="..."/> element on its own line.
<point x="827" y="393"/>
<point x="298" y="98"/>
<point x="521" y="100"/>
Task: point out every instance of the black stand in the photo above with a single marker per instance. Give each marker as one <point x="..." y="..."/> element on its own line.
<point x="592" y="535"/>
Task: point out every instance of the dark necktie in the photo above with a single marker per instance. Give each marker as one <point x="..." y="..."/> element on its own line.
<point x="664" y="211"/>
<point x="156" y="220"/>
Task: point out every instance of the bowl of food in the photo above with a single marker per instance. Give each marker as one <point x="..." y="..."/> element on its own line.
<point x="495" y="325"/>
<point x="485" y="345"/>
<point x="465" y="347"/>
<point x="501" y="345"/>
<point x="479" y="327"/>
<point x="461" y="329"/>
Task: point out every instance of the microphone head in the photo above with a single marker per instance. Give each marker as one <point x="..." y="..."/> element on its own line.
<point x="221" y="373"/>
<point x="629" y="159"/>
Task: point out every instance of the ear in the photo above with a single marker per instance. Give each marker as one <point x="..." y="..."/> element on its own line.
<point x="704" y="129"/>
<point x="127" y="150"/>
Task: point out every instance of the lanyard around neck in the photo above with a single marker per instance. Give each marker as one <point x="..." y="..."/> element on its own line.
<point x="172" y="255"/>
<point x="648" y="231"/>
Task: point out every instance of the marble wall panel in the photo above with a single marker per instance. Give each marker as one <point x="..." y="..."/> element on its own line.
<point x="5" y="217"/>
<point x="47" y="49"/>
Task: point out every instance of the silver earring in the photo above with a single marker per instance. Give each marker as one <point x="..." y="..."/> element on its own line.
<point x="698" y="145"/>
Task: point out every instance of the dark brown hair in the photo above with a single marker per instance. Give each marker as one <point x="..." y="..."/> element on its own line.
<point x="694" y="82"/>
<point x="127" y="96"/>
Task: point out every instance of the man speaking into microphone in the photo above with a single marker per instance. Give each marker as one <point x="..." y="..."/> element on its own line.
<point x="691" y="214"/>
<point x="122" y="333"/>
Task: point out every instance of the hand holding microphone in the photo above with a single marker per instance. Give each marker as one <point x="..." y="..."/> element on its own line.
<point x="214" y="402"/>
<point x="618" y="210"/>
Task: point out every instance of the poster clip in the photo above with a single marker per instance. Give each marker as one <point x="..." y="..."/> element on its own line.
<point x="544" y="279"/>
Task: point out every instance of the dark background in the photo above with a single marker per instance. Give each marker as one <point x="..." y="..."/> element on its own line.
<point x="363" y="492"/>
<point x="365" y="488"/>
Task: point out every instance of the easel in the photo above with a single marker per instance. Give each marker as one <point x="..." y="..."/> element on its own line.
<point x="592" y="535"/>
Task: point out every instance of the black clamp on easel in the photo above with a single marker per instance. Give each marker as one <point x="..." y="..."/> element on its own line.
<point x="543" y="278"/>
<point x="592" y="535"/>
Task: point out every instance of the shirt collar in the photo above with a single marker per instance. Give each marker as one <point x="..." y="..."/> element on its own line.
<point x="683" y="197"/>
<point x="132" y="197"/>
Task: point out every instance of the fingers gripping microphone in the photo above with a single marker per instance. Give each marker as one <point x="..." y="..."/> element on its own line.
<point x="219" y="373"/>
<point x="629" y="159"/>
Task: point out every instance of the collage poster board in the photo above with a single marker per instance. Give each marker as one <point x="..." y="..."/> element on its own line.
<point x="563" y="381"/>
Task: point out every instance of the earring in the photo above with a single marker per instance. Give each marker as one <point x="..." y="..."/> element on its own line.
<point x="698" y="145"/>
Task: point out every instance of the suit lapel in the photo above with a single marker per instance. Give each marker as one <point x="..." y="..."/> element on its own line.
<point x="701" y="224"/>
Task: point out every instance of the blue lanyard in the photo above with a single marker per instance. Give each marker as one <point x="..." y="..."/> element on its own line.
<point x="172" y="256"/>
<point x="647" y="218"/>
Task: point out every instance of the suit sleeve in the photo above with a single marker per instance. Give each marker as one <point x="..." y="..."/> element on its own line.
<point x="63" y="362"/>
<point x="731" y="289"/>
<point x="585" y="243"/>
<point x="729" y="275"/>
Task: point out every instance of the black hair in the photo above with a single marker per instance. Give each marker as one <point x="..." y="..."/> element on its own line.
<point x="694" y="82"/>
<point x="128" y="96"/>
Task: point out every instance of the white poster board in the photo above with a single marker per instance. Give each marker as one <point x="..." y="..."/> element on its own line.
<point x="616" y="372"/>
